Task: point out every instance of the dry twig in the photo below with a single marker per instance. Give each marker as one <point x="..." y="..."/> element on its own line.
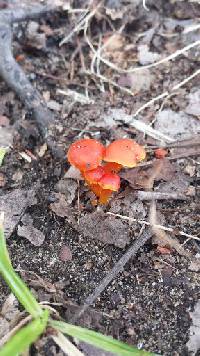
<point x="143" y="195"/>
<point x="14" y="76"/>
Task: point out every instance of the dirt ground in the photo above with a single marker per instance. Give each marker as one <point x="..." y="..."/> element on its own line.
<point x="60" y="243"/>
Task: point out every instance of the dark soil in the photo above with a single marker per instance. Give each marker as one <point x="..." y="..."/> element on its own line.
<point x="148" y="304"/>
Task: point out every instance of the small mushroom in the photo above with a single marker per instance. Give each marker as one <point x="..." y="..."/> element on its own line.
<point x="102" y="194"/>
<point x="160" y="153"/>
<point x="125" y="152"/>
<point x="85" y="154"/>
<point x="93" y="176"/>
<point x="102" y="184"/>
<point x="110" y="181"/>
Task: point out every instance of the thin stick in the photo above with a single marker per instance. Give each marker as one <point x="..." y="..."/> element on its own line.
<point x="144" y="236"/>
<point x="145" y="195"/>
<point x="16" y="79"/>
<point x="13" y="74"/>
<point x="81" y="24"/>
<point x="165" y="228"/>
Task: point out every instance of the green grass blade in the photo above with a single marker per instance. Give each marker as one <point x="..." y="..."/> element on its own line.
<point x="96" y="339"/>
<point x="25" y="336"/>
<point x="18" y="287"/>
<point x="2" y="154"/>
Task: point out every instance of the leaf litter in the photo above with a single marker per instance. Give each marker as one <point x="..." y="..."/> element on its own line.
<point x="70" y="203"/>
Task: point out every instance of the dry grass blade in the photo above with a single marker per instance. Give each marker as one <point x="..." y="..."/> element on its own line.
<point x="165" y="228"/>
<point x="14" y="330"/>
<point x="136" y="69"/>
<point x="166" y="93"/>
<point x="66" y="346"/>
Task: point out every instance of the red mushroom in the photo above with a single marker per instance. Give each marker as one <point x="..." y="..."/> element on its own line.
<point x="102" y="184"/>
<point x="85" y="154"/>
<point x="125" y="152"/>
<point x="160" y="153"/>
<point x="110" y="181"/>
<point x="93" y="176"/>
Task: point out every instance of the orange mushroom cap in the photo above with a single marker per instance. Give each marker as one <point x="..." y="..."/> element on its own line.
<point x="106" y="185"/>
<point x="125" y="151"/>
<point x="110" y="181"/>
<point x="93" y="176"/>
<point x="160" y="153"/>
<point x="85" y="154"/>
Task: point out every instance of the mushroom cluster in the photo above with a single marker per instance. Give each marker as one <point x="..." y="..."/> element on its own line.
<point x="99" y="165"/>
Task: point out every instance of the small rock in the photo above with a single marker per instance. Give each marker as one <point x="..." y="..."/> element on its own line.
<point x="27" y="230"/>
<point x="65" y="254"/>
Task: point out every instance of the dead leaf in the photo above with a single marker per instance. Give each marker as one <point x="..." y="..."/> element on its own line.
<point x="177" y="125"/>
<point x="14" y="205"/>
<point x="145" y="56"/>
<point x="137" y="81"/>
<point x="105" y="228"/>
<point x="143" y="177"/>
<point x="62" y="209"/>
<point x="35" y="39"/>
<point x="73" y="173"/>
<point x="114" y="42"/>
<point x="54" y="105"/>
<point x="9" y="313"/>
<point x="68" y="187"/>
<point x="160" y="236"/>
<point x="193" y="107"/>
<point x="28" y="231"/>
<point x="163" y="250"/>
